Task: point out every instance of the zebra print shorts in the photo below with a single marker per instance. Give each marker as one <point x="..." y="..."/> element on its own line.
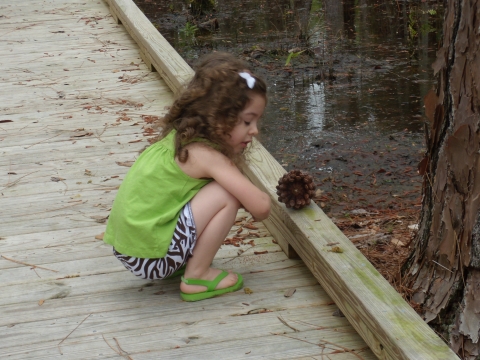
<point x="180" y="250"/>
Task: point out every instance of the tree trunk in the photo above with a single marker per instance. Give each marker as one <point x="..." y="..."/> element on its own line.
<point x="444" y="269"/>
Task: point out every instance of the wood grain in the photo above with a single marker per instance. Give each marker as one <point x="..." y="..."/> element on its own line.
<point x="156" y="51"/>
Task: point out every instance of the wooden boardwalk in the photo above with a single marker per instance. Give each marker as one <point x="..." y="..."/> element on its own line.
<point x="76" y="103"/>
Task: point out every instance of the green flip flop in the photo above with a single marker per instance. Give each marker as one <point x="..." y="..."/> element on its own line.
<point x="210" y="285"/>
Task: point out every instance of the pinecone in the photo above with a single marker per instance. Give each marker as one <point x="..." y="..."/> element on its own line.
<point x="295" y="189"/>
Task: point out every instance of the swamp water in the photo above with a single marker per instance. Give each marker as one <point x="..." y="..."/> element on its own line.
<point x="348" y="107"/>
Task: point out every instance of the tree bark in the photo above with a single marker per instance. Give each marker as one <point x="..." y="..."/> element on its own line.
<point x="444" y="269"/>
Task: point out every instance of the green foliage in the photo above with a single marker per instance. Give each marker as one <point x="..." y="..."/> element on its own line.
<point x="415" y="24"/>
<point x="412" y="24"/>
<point x="188" y="33"/>
<point x="292" y="56"/>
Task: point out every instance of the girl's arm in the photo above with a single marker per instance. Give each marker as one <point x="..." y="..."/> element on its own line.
<point x="205" y="162"/>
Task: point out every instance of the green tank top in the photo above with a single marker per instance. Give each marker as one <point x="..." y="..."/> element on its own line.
<point x="148" y="203"/>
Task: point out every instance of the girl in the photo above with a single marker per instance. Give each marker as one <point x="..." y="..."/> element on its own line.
<point x="180" y="199"/>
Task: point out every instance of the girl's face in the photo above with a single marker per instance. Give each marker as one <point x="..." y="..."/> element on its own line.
<point x="247" y="126"/>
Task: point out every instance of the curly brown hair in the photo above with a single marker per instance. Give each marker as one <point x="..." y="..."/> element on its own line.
<point x="208" y="108"/>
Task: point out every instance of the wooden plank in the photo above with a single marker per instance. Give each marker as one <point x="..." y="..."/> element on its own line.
<point x="268" y="346"/>
<point x="146" y="314"/>
<point x="207" y="335"/>
<point x="89" y="248"/>
<point x="95" y="280"/>
<point x="63" y="294"/>
<point x="155" y="49"/>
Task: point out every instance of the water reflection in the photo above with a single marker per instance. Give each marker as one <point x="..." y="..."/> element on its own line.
<point x="364" y="76"/>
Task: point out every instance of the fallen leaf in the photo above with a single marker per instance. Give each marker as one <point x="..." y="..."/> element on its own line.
<point x="134" y="141"/>
<point x="40" y="302"/>
<point x="250" y="226"/>
<point x="56" y="179"/>
<point x="82" y="134"/>
<point x="289" y="292"/>
<point x="150" y="118"/>
<point x="99" y="218"/>
<point x="125" y="163"/>
<point x="260" y="252"/>
<point x="248" y="291"/>
<point x="336" y="249"/>
<point x="99" y="236"/>
<point x="397" y="242"/>
<point x="5" y="121"/>
<point x="258" y="311"/>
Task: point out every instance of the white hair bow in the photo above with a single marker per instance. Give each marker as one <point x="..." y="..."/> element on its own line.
<point x="249" y="78"/>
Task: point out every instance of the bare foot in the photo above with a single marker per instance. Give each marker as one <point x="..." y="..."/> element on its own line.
<point x="230" y="280"/>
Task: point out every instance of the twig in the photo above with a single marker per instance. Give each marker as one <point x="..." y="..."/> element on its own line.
<point x="328" y="342"/>
<point x="19" y="28"/>
<point x="344" y="349"/>
<point x="66" y="186"/>
<point x="42" y="141"/>
<point x="60" y="208"/>
<point x="65" y="338"/>
<point x="120" y="351"/>
<point x="13" y="183"/>
<point x="110" y="346"/>
<point x="26" y="264"/>
<point x="442" y="266"/>
<point x="286" y="324"/>
<point x="36" y="272"/>
<point x="97" y="135"/>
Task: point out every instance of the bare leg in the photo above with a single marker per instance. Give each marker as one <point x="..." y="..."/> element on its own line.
<point x="214" y="211"/>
